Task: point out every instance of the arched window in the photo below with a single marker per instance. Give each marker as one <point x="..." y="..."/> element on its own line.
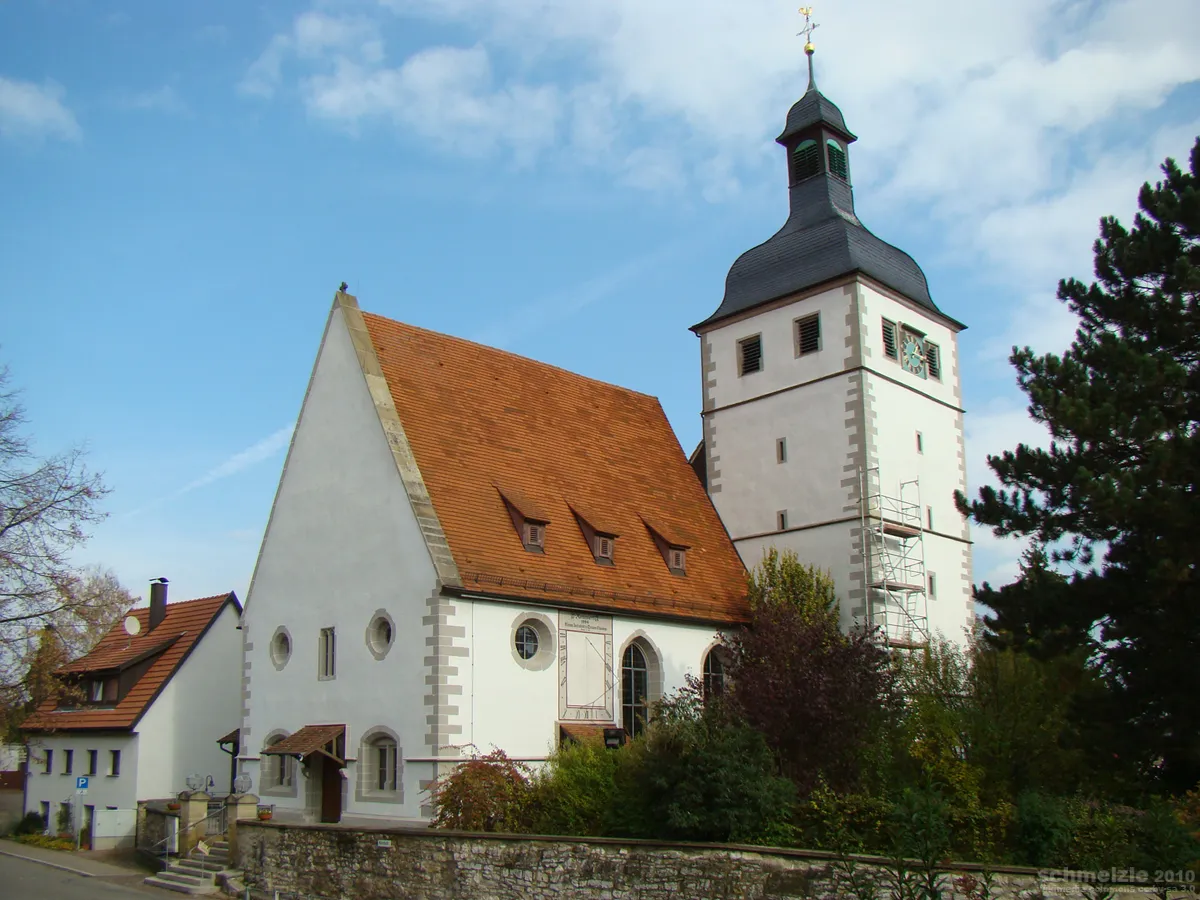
<point x="806" y="160"/>
<point x="384" y="759"/>
<point x="837" y="160"/>
<point x="635" y="690"/>
<point x="714" y="674"/>
<point x="278" y="771"/>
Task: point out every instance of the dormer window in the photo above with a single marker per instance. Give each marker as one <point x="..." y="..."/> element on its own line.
<point x="535" y="536"/>
<point x="96" y="691"/>
<point x="670" y="543"/>
<point x="527" y="518"/>
<point x="602" y="549"/>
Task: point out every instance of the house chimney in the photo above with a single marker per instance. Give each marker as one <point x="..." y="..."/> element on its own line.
<point x="158" y="602"/>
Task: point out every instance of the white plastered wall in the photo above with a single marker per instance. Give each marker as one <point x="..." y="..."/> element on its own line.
<point x="201" y="703"/>
<point x="341" y="544"/>
<point x="104" y="790"/>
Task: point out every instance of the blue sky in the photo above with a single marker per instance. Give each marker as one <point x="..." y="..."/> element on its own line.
<point x="183" y="186"/>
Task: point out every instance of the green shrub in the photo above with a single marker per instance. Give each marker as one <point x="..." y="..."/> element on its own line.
<point x="1102" y="835"/>
<point x="31" y="823"/>
<point x="1043" y="829"/>
<point x="699" y="775"/>
<point x="50" y="842"/>
<point x="1163" y="842"/>
<point x="572" y="793"/>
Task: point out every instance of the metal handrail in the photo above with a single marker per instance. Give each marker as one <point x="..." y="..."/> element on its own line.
<point x="166" y="849"/>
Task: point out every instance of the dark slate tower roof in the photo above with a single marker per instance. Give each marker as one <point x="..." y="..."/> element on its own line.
<point x="822" y="238"/>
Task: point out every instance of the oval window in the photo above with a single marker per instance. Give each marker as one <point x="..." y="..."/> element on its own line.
<point x="281" y="648"/>
<point x="381" y="634"/>
<point x="527" y="642"/>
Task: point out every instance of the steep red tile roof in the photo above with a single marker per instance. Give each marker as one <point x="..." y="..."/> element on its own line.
<point x="178" y="633"/>
<point x="481" y="421"/>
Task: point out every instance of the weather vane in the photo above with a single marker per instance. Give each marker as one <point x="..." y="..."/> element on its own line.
<point x="809" y="27"/>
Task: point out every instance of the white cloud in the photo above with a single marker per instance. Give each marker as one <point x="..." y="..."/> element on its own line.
<point x="29" y="110"/>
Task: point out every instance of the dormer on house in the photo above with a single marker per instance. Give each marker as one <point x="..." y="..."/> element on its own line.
<point x="141" y="712"/>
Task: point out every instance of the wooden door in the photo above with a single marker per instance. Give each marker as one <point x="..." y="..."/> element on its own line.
<point x="331" y="791"/>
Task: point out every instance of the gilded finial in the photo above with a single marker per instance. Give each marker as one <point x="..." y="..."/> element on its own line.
<point x="809" y="48"/>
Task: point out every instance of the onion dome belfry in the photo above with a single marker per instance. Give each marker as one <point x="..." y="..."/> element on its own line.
<point x="822" y="238"/>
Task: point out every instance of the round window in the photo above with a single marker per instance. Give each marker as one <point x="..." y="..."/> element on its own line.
<point x="381" y="634"/>
<point x="527" y="642"/>
<point x="281" y="648"/>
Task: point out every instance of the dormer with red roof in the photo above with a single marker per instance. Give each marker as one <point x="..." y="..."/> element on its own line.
<point x="144" y="709"/>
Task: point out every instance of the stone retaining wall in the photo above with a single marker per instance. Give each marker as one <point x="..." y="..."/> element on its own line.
<point x="315" y="862"/>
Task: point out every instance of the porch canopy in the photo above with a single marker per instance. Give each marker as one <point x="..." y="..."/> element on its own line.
<point x="328" y="740"/>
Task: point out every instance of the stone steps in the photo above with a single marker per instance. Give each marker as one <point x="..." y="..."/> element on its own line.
<point x="197" y="873"/>
<point x="181" y="883"/>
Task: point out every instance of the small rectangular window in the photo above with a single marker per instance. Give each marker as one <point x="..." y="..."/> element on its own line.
<point x="933" y="585"/>
<point x="929" y="518"/>
<point x="920" y="443"/>
<point x="604" y="549"/>
<point x="781" y="519"/>
<point x="96" y="691"/>
<point x="49" y="762"/>
<point x="68" y="761"/>
<point x="328" y="651"/>
<point x="114" y="762"/>
<point x="808" y="334"/>
<point x="750" y="355"/>
<point x="678" y="561"/>
<point x="781" y="450"/>
<point x="889" y="339"/>
<point x="46" y="813"/>
<point x="933" y="361"/>
<point x="92" y="761"/>
<point x="535" y="535"/>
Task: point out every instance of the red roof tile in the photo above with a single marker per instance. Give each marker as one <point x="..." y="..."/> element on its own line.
<point x="481" y="420"/>
<point x="178" y="633"/>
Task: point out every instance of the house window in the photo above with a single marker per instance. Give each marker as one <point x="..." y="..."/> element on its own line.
<point x="889" y="339"/>
<point x="383" y="751"/>
<point x="96" y="691"/>
<point x="920" y="443"/>
<point x="781" y="519"/>
<point x="806" y="160"/>
<point x="933" y="360"/>
<point x="328" y="654"/>
<point x="714" y="674"/>
<point x="114" y="763"/>
<point x="527" y="642"/>
<point x="281" y="648"/>
<point x="68" y="761"/>
<point x="49" y="762"/>
<point x="46" y="815"/>
<point x="603" y="549"/>
<point x="635" y="690"/>
<point x="750" y="355"/>
<point x="780" y="450"/>
<point x="93" y="761"/>
<point x="379" y="636"/>
<point x="933" y="585"/>
<point x="277" y="769"/>
<point x="678" y="561"/>
<point x="535" y="536"/>
<point x="808" y="334"/>
<point x="837" y="160"/>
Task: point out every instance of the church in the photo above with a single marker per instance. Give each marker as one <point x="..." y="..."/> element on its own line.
<point x="468" y="548"/>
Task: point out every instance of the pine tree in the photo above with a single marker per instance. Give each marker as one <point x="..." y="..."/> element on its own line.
<point x="1116" y="492"/>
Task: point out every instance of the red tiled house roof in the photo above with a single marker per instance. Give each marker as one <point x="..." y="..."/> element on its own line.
<point x="166" y="648"/>
<point x="482" y="422"/>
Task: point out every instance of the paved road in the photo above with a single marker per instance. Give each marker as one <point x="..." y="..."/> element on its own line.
<point x="24" y="880"/>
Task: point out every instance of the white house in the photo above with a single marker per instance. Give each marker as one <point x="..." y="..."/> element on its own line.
<point x="467" y="547"/>
<point x="141" y="712"/>
<point x="832" y="408"/>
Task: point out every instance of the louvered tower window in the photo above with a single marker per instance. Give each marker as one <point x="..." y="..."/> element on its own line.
<point x="750" y="355"/>
<point x="837" y="160"/>
<point x="806" y="160"/>
<point x="889" y="339"/>
<point x="808" y="334"/>
<point x="933" y="360"/>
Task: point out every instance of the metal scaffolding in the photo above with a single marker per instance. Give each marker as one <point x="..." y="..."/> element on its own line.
<point x="893" y="554"/>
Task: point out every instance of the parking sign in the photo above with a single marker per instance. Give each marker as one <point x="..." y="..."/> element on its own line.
<point x="81" y="783"/>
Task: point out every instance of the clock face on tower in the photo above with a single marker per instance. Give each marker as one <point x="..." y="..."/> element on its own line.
<point x="912" y="354"/>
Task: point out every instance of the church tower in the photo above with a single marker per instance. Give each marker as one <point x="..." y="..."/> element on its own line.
<point x="833" y="420"/>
